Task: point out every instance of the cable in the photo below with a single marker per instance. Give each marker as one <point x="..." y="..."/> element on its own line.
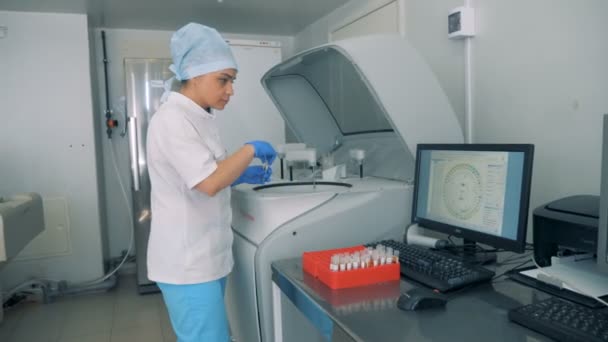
<point x="132" y="237"/>
<point x="475" y="248"/>
<point x="125" y="197"/>
<point x="42" y="282"/>
<point x="470" y="248"/>
<point x="509" y="270"/>
<point x="451" y="241"/>
<point x="514" y="259"/>
<point x="543" y="271"/>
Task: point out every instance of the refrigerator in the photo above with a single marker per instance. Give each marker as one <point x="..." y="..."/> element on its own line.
<point x="144" y="87"/>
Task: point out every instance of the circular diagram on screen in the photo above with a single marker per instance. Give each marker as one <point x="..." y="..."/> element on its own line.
<point x="462" y="191"/>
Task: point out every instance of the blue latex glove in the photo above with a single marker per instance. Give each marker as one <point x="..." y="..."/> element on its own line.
<point x="263" y="151"/>
<point x="254" y="175"/>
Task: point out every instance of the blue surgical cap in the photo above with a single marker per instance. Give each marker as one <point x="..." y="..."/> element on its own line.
<point x="197" y="50"/>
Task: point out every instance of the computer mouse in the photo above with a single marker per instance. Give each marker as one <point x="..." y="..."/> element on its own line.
<point x="420" y="299"/>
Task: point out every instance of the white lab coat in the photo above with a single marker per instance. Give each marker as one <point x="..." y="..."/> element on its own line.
<point x="190" y="239"/>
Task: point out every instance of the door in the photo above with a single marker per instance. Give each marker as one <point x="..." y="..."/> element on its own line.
<point x="144" y="88"/>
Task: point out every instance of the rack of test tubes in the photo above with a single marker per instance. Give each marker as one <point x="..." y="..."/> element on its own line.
<point x="353" y="266"/>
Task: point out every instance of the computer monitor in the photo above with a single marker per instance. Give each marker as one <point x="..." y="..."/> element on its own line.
<point x="479" y="192"/>
<point x="602" y="242"/>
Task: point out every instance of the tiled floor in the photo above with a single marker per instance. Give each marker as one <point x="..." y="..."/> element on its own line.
<point x="116" y="316"/>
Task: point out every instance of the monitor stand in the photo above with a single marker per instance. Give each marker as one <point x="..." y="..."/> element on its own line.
<point x="470" y="252"/>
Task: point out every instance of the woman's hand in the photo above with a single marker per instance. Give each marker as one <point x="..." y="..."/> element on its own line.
<point x="256" y="174"/>
<point x="263" y="151"/>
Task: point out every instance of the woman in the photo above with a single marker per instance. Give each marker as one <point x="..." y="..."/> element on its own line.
<point x="190" y="246"/>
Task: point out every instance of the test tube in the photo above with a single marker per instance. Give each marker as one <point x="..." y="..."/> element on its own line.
<point x="342" y="262"/>
<point x="356" y="260"/>
<point x="381" y="254"/>
<point x="358" y="155"/>
<point x="375" y="258"/>
<point x="265" y="167"/>
<point x="389" y="255"/>
<point x="381" y="248"/>
<point x="349" y="262"/>
<point x="396" y="255"/>
<point x="335" y="263"/>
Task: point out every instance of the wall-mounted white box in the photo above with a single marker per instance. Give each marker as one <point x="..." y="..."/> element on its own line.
<point x="461" y="23"/>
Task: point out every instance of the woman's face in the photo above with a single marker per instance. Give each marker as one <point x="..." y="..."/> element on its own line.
<point x="215" y="89"/>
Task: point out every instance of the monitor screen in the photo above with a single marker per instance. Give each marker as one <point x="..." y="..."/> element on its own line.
<point x="475" y="191"/>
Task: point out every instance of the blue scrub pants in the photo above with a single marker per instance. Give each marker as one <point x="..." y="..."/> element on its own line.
<point x="197" y="311"/>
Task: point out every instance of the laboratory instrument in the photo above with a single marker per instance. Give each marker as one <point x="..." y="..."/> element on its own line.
<point x="21" y="220"/>
<point x="307" y="156"/>
<point x="566" y="224"/>
<point x="358" y="155"/>
<point x="282" y="150"/>
<point x="372" y="93"/>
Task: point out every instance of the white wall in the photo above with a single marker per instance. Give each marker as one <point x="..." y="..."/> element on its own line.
<point x="122" y="43"/>
<point x="385" y="19"/>
<point x="539" y="76"/>
<point x="318" y="33"/>
<point x="47" y="137"/>
<point x="426" y="28"/>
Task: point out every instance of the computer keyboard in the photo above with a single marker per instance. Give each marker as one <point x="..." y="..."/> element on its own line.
<point x="434" y="269"/>
<point x="563" y="320"/>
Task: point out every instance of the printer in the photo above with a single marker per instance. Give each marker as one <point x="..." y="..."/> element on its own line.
<point x="568" y="224"/>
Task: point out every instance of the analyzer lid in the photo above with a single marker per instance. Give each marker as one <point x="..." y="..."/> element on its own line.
<point x="373" y="91"/>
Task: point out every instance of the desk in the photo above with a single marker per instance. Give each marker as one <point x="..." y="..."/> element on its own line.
<point x="370" y="313"/>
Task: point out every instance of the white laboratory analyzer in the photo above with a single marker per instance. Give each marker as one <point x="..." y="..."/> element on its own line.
<point x="363" y="103"/>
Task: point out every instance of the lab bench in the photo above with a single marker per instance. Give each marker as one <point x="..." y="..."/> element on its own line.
<point x="307" y="310"/>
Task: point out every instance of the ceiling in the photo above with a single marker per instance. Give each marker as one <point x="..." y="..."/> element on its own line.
<point x="269" y="17"/>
